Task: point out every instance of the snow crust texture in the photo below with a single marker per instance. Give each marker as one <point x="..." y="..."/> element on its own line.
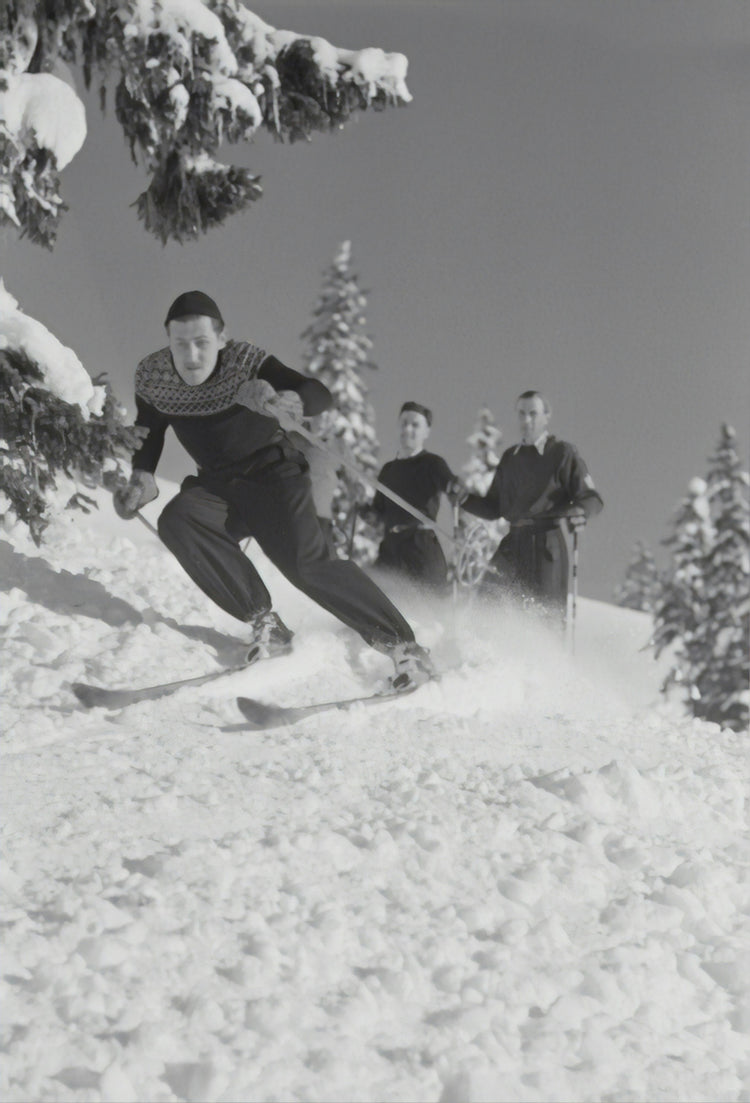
<point x="528" y="882"/>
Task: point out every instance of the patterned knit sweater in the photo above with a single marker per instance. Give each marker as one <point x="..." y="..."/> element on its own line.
<point x="214" y="429"/>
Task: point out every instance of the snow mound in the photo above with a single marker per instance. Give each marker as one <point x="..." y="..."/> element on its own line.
<point x="526" y="882"/>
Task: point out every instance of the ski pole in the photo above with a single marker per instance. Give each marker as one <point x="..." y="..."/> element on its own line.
<point x="574" y="602"/>
<point x="352" y="533"/>
<point x="456" y="558"/>
<point x="149" y="526"/>
<point x="456" y="511"/>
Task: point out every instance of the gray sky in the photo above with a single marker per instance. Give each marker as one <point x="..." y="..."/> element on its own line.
<point x="564" y="205"/>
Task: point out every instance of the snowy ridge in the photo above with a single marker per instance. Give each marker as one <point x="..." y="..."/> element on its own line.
<point x="527" y="882"/>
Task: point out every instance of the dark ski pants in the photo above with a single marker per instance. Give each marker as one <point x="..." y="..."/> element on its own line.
<point x="416" y="553"/>
<point x="204" y="524"/>
<point x="531" y="563"/>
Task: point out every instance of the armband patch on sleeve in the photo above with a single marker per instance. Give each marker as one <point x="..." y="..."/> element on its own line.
<point x="589" y="482"/>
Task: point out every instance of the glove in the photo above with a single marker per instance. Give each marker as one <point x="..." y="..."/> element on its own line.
<point x="260" y="396"/>
<point x="456" y="492"/>
<point x="576" y="519"/>
<point x="255" y="393"/>
<point x="128" y="499"/>
<point x="287" y="408"/>
<point x="361" y="496"/>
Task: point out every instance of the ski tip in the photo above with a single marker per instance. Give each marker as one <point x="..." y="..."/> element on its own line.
<point x="261" y="715"/>
<point x="92" y="697"/>
<point x="85" y="694"/>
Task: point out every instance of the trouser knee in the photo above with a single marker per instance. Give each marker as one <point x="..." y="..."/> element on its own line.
<point x="173" y="521"/>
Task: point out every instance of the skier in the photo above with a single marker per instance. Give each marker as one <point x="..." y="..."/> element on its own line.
<point x="419" y="477"/>
<point x="227" y="401"/>
<point x="538" y="484"/>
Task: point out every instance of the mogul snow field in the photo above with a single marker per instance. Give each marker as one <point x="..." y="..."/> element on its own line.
<point x="528" y="882"/>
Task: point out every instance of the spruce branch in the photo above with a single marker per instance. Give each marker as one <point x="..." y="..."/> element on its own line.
<point x="187" y="81"/>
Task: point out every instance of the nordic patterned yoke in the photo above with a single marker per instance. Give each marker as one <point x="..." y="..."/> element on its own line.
<point x="219" y="432"/>
<point x="157" y="381"/>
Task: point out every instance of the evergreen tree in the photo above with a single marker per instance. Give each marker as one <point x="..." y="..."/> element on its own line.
<point x="484" y="442"/>
<point x="187" y="78"/>
<point x="339" y="354"/>
<point x="722" y="640"/>
<point x="703" y="612"/>
<point x="479" y="538"/>
<point x="642" y="584"/>
<point x="681" y="605"/>
<point x="53" y="420"/>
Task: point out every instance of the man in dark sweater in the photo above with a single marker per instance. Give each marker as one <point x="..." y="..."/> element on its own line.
<point x="227" y="402"/>
<point x="419" y="477"/>
<point x="539" y="484"/>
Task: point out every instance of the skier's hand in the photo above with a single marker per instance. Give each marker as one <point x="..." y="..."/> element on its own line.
<point x="320" y="425"/>
<point x="260" y="396"/>
<point x="287" y="408"/>
<point x="456" y="492"/>
<point x="361" y="496"/>
<point x="255" y="394"/>
<point x="576" y="518"/>
<point x="128" y="499"/>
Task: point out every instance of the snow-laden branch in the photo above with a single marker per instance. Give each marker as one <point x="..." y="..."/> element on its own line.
<point x="189" y="75"/>
<point x="63" y="374"/>
<point x="42" y="110"/>
<point x="54" y="420"/>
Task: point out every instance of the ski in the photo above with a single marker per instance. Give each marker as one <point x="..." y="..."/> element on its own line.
<point x="259" y="715"/>
<point x="99" y="697"/>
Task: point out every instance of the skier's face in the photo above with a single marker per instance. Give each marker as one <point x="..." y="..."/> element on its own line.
<point x="195" y="346"/>
<point x="414" y="431"/>
<point x="533" y="419"/>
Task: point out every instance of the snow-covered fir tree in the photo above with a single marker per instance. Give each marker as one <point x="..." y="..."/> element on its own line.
<point x="721" y="659"/>
<point x="703" y="612"/>
<point x="681" y="604"/>
<point x="479" y="538"/>
<point x="54" y="420"/>
<point x="188" y="77"/>
<point x="338" y="353"/>
<point x="642" y="583"/>
<point x="484" y="442"/>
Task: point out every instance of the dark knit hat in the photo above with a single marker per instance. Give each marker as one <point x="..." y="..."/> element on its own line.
<point x="418" y="409"/>
<point x="192" y="303"/>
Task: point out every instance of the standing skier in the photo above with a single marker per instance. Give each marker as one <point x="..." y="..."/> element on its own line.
<point x="538" y="484"/>
<point x="419" y="477"/>
<point x="227" y="401"/>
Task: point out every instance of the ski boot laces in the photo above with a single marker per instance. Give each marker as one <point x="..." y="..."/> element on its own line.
<point x="270" y="637"/>
<point x="413" y="666"/>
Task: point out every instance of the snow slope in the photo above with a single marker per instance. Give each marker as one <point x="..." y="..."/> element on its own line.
<point x="530" y="881"/>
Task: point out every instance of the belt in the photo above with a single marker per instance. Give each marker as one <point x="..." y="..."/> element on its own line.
<point x="540" y="524"/>
<point x="413" y="527"/>
<point x="278" y="448"/>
